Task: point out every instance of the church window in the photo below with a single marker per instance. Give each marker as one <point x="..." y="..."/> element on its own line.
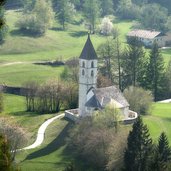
<point x="92" y="64"/>
<point x="92" y="73"/>
<point x="83" y="64"/>
<point x="83" y="72"/>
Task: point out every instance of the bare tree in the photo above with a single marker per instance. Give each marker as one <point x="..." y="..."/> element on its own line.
<point x="16" y="136"/>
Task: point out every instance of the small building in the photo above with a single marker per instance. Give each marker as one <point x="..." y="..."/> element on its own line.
<point x="148" y="37"/>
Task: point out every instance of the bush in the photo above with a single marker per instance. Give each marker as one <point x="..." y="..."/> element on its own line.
<point x="38" y="20"/>
<point x="1" y="102"/>
<point x="99" y="139"/>
<point x="106" y="26"/>
<point x="139" y="99"/>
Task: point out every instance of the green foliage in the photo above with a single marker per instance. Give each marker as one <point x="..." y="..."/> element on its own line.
<point x="127" y="10"/>
<point x="162" y="154"/>
<point x="39" y="19"/>
<point x="106" y="7"/>
<point x="5" y="156"/>
<point x="3" y="26"/>
<point x="154" y="17"/>
<point x="64" y="12"/>
<point x="94" y="139"/>
<point x="91" y="13"/>
<point x="139" y="146"/>
<point x="1" y="102"/>
<point x="140" y="100"/>
<point x="155" y="72"/>
<point x="133" y="63"/>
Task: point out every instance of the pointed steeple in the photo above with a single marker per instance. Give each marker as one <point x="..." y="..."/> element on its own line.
<point x="88" y="52"/>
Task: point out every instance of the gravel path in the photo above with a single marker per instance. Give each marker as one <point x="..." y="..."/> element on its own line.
<point x="41" y="132"/>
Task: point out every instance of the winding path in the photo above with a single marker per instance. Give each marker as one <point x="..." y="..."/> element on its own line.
<point x="41" y="132"/>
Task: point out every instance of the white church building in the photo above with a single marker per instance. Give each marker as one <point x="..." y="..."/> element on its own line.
<point x="92" y="98"/>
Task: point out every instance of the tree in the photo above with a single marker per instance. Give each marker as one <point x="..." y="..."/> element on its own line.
<point x="15" y="135"/>
<point x="154" y="17"/>
<point x="133" y="62"/>
<point x="106" y="26"/>
<point x="139" y="146"/>
<point x="127" y="10"/>
<point x="92" y="136"/>
<point x="1" y="102"/>
<point x="3" y="26"/>
<point x="140" y="100"/>
<point x="5" y="155"/>
<point x="38" y="20"/>
<point x="155" y="72"/>
<point x="106" y="7"/>
<point x="91" y="13"/>
<point x="162" y="154"/>
<point x="65" y="11"/>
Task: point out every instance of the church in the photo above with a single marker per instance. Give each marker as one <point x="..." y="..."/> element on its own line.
<point x="92" y="98"/>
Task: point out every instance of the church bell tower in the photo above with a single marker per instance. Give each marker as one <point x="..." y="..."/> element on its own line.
<point x="87" y="74"/>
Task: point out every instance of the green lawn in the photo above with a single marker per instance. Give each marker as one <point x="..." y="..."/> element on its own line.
<point x="159" y="120"/>
<point x="18" y="74"/>
<point x="14" y="110"/>
<point x="52" y="154"/>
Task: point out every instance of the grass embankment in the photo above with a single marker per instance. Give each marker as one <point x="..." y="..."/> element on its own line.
<point x="14" y="110"/>
<point x="159" y="120"/>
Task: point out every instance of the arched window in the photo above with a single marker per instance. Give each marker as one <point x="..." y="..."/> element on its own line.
<point x="92" y="64"/>
<point x="92" y="73"/>
<point x="83" y="64"/>
<point x="83" y="72"/>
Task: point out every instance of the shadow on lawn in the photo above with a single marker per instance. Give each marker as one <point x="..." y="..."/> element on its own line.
<point x="78" y="33"/>
<point x="53" y="146"/>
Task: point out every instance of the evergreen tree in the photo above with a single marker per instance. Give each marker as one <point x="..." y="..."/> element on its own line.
<point x="155" y="72"/>
<point x="3" y="26"/>
<point x="133" y="63"/>
<point x="106" y="7"/>
<point x="139" y="145"/>
<point x="162" y="154"/>
<point x="91" y="12"/>
<point x="65" y="11"/>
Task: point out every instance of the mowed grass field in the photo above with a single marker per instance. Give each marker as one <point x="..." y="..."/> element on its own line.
<point x="159" y="120"/>
<point x="53" y="45"/>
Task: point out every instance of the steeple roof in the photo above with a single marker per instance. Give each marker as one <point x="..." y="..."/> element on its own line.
<point x="88" y="52"/>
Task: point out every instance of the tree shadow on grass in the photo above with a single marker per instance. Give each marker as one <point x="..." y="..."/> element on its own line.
<point x="25" y="33"/>
<point x="53" y="146"/>
<point x="25" y="113"/>
<point x="78" y="33"/>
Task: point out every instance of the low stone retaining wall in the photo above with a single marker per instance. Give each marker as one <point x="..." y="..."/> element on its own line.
<point x="72" y="115"/>
<point x="131" y="118"/>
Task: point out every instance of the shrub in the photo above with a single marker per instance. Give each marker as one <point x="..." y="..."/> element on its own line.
<point x="1" y="102"/>
<point x="106" y="26"/>
<point x="139" y="99"/>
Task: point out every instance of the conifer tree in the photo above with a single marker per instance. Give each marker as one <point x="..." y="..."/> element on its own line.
<point x="139" y="145"/>
<point x="155" y="72"/>
<point x="162" y="154"/>
<point x="133" y="62"/>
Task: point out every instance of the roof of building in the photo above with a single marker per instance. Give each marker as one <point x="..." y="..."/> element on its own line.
<point x="106" y="94"/>
<point x="148" y="34"/>
<point x="93" y="102"/>
<point x="88" y="51"/>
